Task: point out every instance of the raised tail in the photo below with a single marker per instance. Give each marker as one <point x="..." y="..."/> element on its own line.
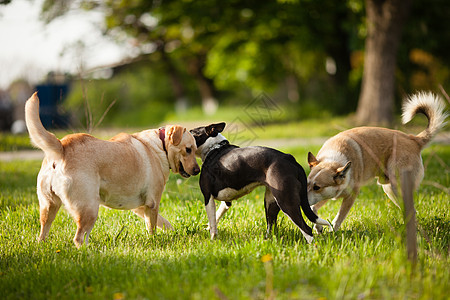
<point x="432" y="107"/>
<point x="39" y="136"/>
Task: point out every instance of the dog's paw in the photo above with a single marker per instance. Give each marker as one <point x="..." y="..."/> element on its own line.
<point x="318" y="228"/>
<point x="309" y="239"/>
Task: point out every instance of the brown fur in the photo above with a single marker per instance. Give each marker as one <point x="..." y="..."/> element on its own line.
<point x="125" y="172"/>
<point x="350" y="159"/>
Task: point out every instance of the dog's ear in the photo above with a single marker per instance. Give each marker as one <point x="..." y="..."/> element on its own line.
<point x="175" y="134"/>
<point x="342" y="171"/>
<point x="214" y="129"/>
<point x="220" y="126"/>
<point x="312" y="160"/>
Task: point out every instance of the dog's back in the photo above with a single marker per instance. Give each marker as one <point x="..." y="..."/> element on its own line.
<point x="374" y="150"/>
<point x="237" y="167"/>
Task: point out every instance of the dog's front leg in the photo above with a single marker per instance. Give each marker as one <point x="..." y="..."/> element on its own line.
<point x="211" y="212"/>
<point x="315" y="208"/>
<point x="223" y="208"/>
<point x="347" y="203"/>
<point x="160" y="223"/>
<point x="150" y="217"/>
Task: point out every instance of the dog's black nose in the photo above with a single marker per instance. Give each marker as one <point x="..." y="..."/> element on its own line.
<point x="196" y="170"/>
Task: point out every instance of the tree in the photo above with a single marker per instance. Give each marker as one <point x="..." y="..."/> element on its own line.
<point x="423" y="58"/>
<point x="242" y="45"/>
<point x="385" y="19"/>
<point x="181" y="43"/>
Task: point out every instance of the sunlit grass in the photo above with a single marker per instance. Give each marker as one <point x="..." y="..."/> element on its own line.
<point x="365" y="260"/>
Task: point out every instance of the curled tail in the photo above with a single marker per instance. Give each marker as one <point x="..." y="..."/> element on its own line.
<point x="432" y="107"/>
<point x="39" y="136"/>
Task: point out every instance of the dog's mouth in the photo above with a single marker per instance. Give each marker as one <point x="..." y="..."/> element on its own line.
<point x="182" y="171"/>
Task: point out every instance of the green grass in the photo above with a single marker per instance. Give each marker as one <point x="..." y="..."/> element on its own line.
<point x="365" y="260"/>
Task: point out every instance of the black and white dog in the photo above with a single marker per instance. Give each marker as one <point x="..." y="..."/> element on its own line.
<point x="230" y="172"/>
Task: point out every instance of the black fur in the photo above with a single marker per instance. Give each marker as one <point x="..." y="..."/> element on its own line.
<point x="229" y="166"/>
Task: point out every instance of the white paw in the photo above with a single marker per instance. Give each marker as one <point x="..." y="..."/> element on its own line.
<point x="318" y="228"/>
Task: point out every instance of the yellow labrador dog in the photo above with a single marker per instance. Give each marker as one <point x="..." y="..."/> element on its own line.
<point x="350" y="159"/>
<point x="125" y="172"/>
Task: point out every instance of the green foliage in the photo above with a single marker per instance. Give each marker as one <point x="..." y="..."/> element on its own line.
<point x="141" y="98"/>
<point x="10" y="142"/>
<point x="423" y="61"/>
<point x="248" y="44"/>
<point x="241" y="47"/>
<point x="365" y="260"/>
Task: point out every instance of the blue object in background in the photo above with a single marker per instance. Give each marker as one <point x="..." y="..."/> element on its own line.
<point x="50" y="97"/>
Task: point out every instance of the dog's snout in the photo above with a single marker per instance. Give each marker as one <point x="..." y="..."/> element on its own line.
<point x="196" y="170"/>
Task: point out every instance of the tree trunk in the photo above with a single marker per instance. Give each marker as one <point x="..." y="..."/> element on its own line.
<point x="181" y="100"/>
<point x="205" y="85"/>
<point x="385" y="20"/>
<point x="206" y="88"/>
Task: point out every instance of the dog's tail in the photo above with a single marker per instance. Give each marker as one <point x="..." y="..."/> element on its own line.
<point x="432" y="107"/>
<point x="304" y="204"/>
<point x="310" y="214"/>
<point x="40" y="137"/>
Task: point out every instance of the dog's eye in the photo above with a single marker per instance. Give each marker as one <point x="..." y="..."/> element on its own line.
<point x="316" y="187"/>
<point x="188" y="150"/>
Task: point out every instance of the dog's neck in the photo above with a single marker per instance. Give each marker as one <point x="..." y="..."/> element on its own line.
<point x="162" y="137"/>
<point x="211" y="144"/>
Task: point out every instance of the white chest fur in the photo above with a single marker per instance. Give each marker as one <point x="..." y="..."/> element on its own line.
<point x="228" y="194"/>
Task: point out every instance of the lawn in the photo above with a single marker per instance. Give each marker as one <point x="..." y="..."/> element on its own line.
<point x="365" y="260"/>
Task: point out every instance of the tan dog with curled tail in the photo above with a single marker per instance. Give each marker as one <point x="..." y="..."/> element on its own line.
<point x="351" y="158"/>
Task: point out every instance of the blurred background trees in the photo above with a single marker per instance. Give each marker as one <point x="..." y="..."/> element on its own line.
<point x="385" y="21"/>
<point x="311" y="56"/>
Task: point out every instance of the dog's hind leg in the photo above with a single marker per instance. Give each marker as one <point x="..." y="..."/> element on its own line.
<point x="85" y="218"/>
<point x="417" y="173"/>
<point x="81" y="198"/>
<point x="290" y="205"/>
<point x="272" y="210"/>
<point x="392" y="193"/>
<point x="49" y="204"/>
<point x="48" y="208"/>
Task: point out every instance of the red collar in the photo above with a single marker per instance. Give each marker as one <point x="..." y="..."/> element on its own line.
<point x="162" y="137"/>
